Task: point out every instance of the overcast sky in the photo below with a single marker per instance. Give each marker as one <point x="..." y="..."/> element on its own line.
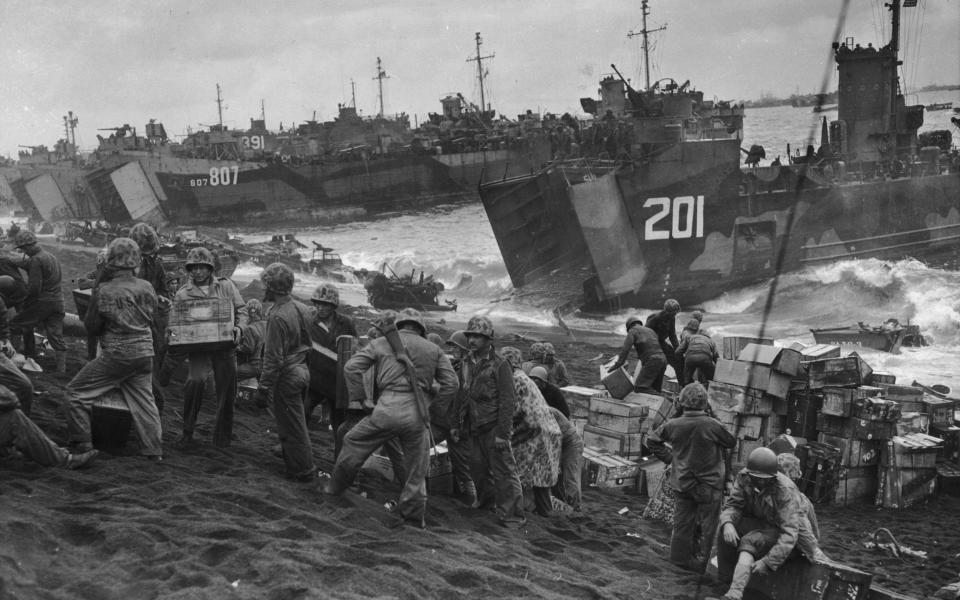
<point x="115" y="62"/>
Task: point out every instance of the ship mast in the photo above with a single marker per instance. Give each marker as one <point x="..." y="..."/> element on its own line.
<point x="381" y="75"/>
<point x="353" y="93"/>
<point x="479" y="60"/>
<point x="70" y="127"/>
<point x="263" y="112"/>
<point x="219" y="107"/>
<point x="645" y="10"/>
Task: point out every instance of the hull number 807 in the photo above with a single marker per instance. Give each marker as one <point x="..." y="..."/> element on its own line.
<point x="675" y="218"/>
<point x="218" y="176"/>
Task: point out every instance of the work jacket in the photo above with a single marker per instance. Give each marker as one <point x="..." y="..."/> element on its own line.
<point x="489" y="397"/>
<point x="644" y="340"/>
<point x="698" y="344"/>
<point x="43" y="278"/>
<point x="121" y="313"/>
<point x="250" y="349"/>
<point x="665" y="326"/>
<point x="285" y="340"/>
<point x="697" y="442"/>
<point x="323" y="369"/>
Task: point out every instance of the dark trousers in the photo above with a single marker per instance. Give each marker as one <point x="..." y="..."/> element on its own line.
<point x="756" y="537"/>
<point x="699" y="505"/>
<point x="18" y="383"/>
<point x="16" y="429"/>
<point x="224" y="366"/>
<point x="651" y="374"/>
<point x="571" y="458"/>
<point x="41" y="313"/>
<point x="698" y="364"/>
<point x="461" y="454"/>
<point x="670" y="353"/>
<point x="495" y="474"/>
<point x="288" y="399"/>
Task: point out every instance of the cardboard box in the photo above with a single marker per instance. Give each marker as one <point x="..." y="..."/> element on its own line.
<point x="781" y="360"/>
<point x="838" y="401"/>
<point x="908" y="396"/>
<point x="802" y="410"/>
<point x="849" y="371"/>
<point x="738" y="399"/>
<point x="627" y="445"/>
<point x="199" y="324"/>
<point x="733" y="345"/>
<point x="616" y="415"/>
<point x="607" y="472"/>
<point x="820" y="352"/>
<point x="754" y="376"/>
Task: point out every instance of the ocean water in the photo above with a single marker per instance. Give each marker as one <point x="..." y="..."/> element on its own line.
<point x="456" y="245"/>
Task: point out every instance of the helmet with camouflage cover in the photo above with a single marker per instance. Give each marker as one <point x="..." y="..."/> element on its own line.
<point x="537" y="351"/>
<point x="146" y="238"/>
<point x="254" y="310"/>
<point x="693" y="396"/>
<point x="23" y="238"/>
<point x="671" y="307"/>
<point x="512" y="355"/>
<point x="123" y="253"/>
<point x="278" y="278"/>
<point x="199" y="256"/>
<point x="408" y="316"/>
<point x="480" y="325"/>
<point x="326" y="292"/>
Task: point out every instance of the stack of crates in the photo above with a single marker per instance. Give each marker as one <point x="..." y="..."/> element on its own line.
<point x="908" y="471"/>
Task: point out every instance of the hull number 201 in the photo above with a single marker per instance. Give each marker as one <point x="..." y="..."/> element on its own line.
<point x="675" y="218"/>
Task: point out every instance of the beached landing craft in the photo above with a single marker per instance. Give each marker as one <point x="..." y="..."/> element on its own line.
<point x="660" y="207"/>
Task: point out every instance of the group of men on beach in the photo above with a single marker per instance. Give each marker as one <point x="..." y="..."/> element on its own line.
<point x="504" y="419"/>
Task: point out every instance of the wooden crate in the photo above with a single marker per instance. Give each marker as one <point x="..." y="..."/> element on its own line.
<point x="802" y="409"/>
<point x="785" y="443"/>
<point x="909" y="397"/>
<point x="853" y="428"/>
<point x="799" y="579"/>
<point x="854" y="453"/>
<point x="902" y="487"/>
<point x="618" y="383"/>
<point x="821" y="468"/>
<point x="733" y="345"/>
<point x="748" y="427"/>
<point x="940" y="411"/>
<point x="736" y="398"/>
<point x="200" y="324"/>
<point x="856" y="484"/>
<point x="578" y="399"/>
<point x="880" y="378"/>
<point x="781" y="360"/>
<point x="110" y="422"/>
<point x="948" y="479"/>
<point x="753" y="376"/>
<point x="616" y="415"/>
<point x="838" y="401"/>
<point x="913" y="422"/>
<point x="627" y="445"/>
<point x="950" y="451"/>
<point x="876" y="409"/>
<point x="820" y="352"/>
<point x="742" y="452"/>
<point x="608" y="472"/>
<point x="848" y="371"/>
<point x="651" y="472"/>
<point x="578" y="424"/>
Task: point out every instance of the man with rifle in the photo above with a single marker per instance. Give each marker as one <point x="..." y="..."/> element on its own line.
<point x="406" y="367"/>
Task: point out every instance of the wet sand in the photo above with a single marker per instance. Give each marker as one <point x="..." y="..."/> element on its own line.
<point x="224" y="523"/>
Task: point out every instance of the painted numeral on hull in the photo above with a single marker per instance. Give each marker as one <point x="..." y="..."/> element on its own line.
<point x="683" y="213"/>
<point x="224" y="175"/>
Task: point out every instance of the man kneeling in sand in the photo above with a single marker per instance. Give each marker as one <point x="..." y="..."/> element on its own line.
<point x="17" y="430"/>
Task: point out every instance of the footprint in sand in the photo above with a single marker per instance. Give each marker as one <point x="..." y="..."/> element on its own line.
<point x="462" y="578"/>
<point x="215" y="554"/>
<point x="81" y="534"/>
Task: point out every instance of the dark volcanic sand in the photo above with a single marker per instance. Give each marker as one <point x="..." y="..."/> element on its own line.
<point x="224" y="523"/>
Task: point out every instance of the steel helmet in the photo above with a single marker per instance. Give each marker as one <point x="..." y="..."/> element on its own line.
<point x="123" y="253"/>
<point x="199" y="256"/>
<point x="693" y="325"/>
<point x="698" y="315"/>
<point x="146" y="238"/>
<point x="762" y="462"/>
<point x="480" y="325"/>
<point x="512" y="355"/>
<point x="23" y="238"/>
<point x="254" y="310"/>
<point x="671" y="306"/>
<point x="409" y="315"/>
<point x="8" y="286"/>
<point x="276" y="277"/>
<point x="693" y="396"/>
<point x="387" y="317"/>
<point x="459" y="339"/>
<point x="436" y="339"/>
<point x="326" y="292"/>
<point x="633" y="320"/>
<point x="538" y="373"/>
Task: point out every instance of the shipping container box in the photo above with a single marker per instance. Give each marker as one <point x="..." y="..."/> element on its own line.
<point x="201" y="324"/>
<point x="753" y="376"/>
<point x="781" y="360"/>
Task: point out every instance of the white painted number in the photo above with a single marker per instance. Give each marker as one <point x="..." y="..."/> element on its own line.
<point x="254" y="142"/>
<point x="221" y="176"/>
<point x="686" y="218"/>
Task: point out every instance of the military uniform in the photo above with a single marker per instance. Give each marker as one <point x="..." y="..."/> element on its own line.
<point x="10" y="376"/>
<point x="664" y="325"/>
<point x="571" y="459"/>
<point x="121" y="312"/>
<point x="43" y="304"/>
<point x="250" y="350"/>
<point x="698" y="352"/>
<point x="323" y="370"/>
<point x="652" y="360"/>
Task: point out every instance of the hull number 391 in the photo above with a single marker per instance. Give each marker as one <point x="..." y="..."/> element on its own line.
<point x="675" y="218"/>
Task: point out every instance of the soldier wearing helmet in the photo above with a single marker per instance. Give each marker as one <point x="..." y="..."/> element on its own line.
<point x="697" y="444"/>
<point x="10" y="376"/>
<point x="760" y="524"/>
<point x="699" y="356"/>
<point x="221" y="360"/>
<point x="556" y="370"/>
<point x="654" y="363"/>
<point x="486" y="414"/>
<point x="121" y="314"/>
<point x="151" y="270"/>
<point x="43" y="305"/>
<point x="325" y="326"/>
<point x="664" y="323"/>
<point x="397" y="412"/>
<point x="250" y="348"/>
<point x="285" y="378"/>
<point x="551" y="393"/>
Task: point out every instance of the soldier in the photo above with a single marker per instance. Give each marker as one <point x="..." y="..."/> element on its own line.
<point x="44" y="302"/>
<point x="250" y="349"/>
<point x="556" y="370"/>
<point x="571" y="458"/>
<point x="653" y="362"/>
<point x="487" y="415"/>
<point x="10" y="376"/>
<point x="286" y="377"/>
<point x="699" y="356"/>
<point x="550" y="392"/>
<point x="696" y="453"/>
<point x="201" y="285"/>
<point x="326" y="325"/>
<point x="121" y="313"/>
<point x="151" y="270"/>
<point x="398" y="411"/>
<point x="18" y="431"/>
<point x="760" y="523"/>
<point x="458" y="442"/>
<point x="664" y="323"/>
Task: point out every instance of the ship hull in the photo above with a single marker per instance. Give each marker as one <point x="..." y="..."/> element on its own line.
<point x="639" y="235"/>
